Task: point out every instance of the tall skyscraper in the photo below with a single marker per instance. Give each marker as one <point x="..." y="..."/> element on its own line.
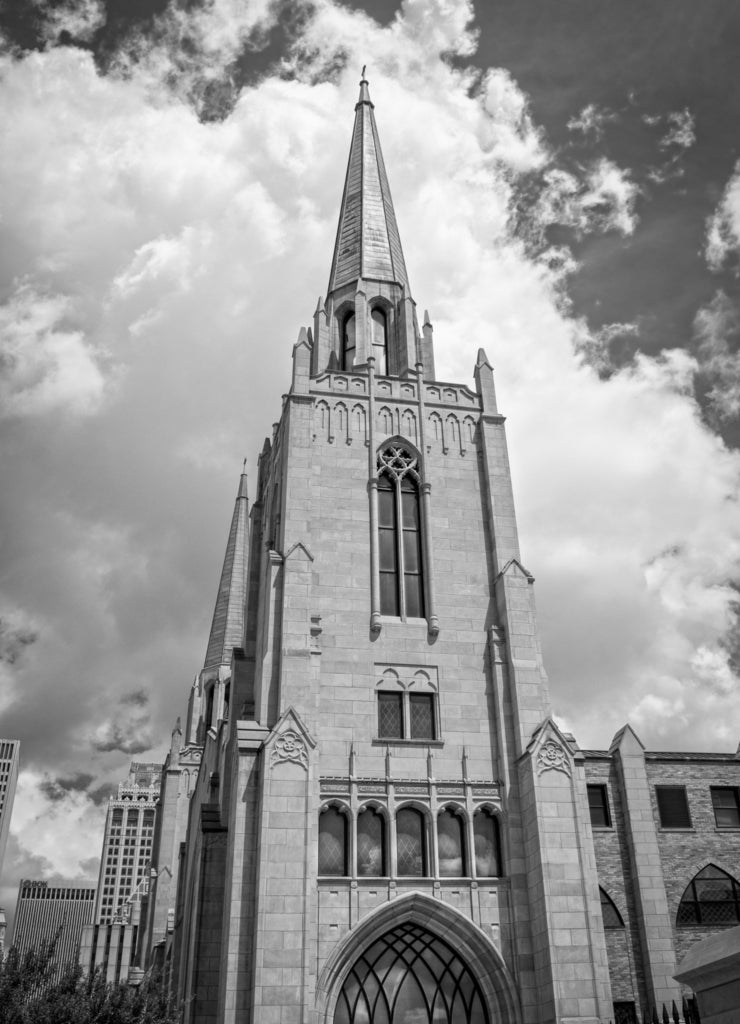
<point x="127" y="843"/>
<point x="9" y="756"/>
<point x="45" y="911"/>
<point x="387" y="825"/>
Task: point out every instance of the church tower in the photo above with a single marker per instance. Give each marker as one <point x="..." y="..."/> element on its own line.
<point x="387" y="826"/>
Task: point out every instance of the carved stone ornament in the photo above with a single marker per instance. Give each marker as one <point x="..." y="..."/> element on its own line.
<point x="552" y="755"/>
<point x="289" y="746"/>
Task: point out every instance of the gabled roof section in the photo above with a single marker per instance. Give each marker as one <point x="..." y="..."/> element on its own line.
<point x="368" y="244"/>
<point x="227" y="628"/>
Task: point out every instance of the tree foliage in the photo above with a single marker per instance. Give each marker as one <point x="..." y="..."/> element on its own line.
<point x="33" y="990"/>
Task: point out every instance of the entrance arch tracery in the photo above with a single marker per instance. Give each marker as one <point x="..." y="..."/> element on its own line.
<point x="416" y="960"/>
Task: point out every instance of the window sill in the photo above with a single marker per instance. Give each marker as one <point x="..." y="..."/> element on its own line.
<point x="727" y="828"/>
<point x="387" y="620"/>
<point x="380" y="742"/>
<point x="602" y="828"/>
<point x="676" y="828"/>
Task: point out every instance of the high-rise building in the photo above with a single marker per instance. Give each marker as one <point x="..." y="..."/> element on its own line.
<point x="387" y="825"/>
<point x="9" y="756"/>
<point x="53" y="911"/>
<point x="127" y="844"/>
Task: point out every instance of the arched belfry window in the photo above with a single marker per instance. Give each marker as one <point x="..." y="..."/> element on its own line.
<point x="379" y="326"/>
<point x="712" y="897"/>
<point x="487" y="845"/>
<point x="451" y="844"/>
<point x="411" y="843"/>
<point x="348" y="342"/>
<point x="399" y="534"/>
<point x="371" y="860"/>
<point x="409" y="975"/>
<point x="333" y="859"/>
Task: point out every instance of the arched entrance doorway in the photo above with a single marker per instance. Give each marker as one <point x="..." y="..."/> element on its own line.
<point x="416" y="960"/>
<point x="409" y="976"/>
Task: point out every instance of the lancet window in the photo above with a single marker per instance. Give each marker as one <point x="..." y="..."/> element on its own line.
<point x="487" y="845"/>
<point x="451" y="844"/>
<point x="411" y="845"/>
<point x="371" y="843"/>
<point x="410" y="975"/>
<point x="379" y="327"/>
<point x="333" y="846"/>
<point x="399" y="534"/>
<point x="348" y="342"/>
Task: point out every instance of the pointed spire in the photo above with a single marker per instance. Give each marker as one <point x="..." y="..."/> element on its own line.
<point x="227" y="628"/>
<point x="368" y="243"/>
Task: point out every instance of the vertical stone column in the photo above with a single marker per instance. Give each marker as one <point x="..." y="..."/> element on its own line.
<point x="209" y="915"/>
<point x="284" y="955"/>
<point x="570" y="962"/>
<point x="240" y="895"/>
<point x="654" y="922"/>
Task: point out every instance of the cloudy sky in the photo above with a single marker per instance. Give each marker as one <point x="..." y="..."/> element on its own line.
<point x="567" y="186"/>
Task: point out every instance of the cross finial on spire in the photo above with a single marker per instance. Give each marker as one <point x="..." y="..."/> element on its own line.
<point x="364" y="91"/>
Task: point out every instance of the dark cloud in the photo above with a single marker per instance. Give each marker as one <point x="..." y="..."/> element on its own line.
<point x="57" y="789"/>
<point x="100" y="794"/>
<point x="14" y="640"/>
<point x="139" y="699"/>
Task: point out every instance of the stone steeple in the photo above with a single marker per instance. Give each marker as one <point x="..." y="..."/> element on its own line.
<point x="227" y="628"/>
<point x="368" y="244"/>
<point x="368" y="314"/>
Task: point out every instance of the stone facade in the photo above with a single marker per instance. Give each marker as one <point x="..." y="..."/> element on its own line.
<point x="380" y="770"/>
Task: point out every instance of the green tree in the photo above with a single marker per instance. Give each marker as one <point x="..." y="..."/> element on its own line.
<point x="34" y="991"/>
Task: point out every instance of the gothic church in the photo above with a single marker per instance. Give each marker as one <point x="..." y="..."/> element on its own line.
<point x="370" y="816"/>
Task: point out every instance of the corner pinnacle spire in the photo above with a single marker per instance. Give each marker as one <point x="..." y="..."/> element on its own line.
<point x="227" y="628"/>
<point x="368" y="243"/>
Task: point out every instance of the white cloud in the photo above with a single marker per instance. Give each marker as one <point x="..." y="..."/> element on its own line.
<point x="680" y="130"/>
<point x="602" y="199"/>
<point x="38" y="822"/>
<point x="714" y="326"/>
<point x="45" y="363"/>
<point x="81" y="19"/>
<point x="723" y="227"/>
<point x="591" y="120"/>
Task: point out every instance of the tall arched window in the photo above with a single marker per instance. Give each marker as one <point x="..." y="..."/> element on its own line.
<point x="712" y="897"/>
<point x="487" y="845"/>
<point x="451" y="844"/>
<point x="379" y="326"/>
<point x="332" y="842"/>
<point x="399" y="534"/>
<point x="370" y="843"/>
<point x="348" y="342"/>
<point x="411" y="846"/>
<point x="409" y="975"/>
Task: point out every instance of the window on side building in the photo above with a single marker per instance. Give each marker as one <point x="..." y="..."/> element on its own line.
<point x="726" y="804"/>
<point x="611" y="916"/>
<point x="598" y="805"/>
<point x="712" y="898"/>
<point x="673" y="807"/>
